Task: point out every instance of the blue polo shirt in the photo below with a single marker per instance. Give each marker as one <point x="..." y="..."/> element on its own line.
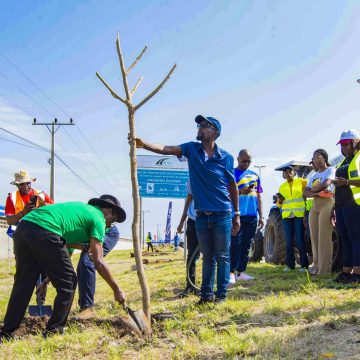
<point x="209" y="178"/>
<point x="249" y="204"/>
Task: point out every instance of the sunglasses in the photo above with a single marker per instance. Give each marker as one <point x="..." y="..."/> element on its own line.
<point x="246" y="161"/>
<point x="204" y="126"/>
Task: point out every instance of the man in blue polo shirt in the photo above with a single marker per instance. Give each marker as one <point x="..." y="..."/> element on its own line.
<point x="250" y="207"/>
<point x="211" y="172"/>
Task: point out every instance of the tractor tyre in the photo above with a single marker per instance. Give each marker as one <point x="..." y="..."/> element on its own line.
<point x="337" y="251"/>
<point x="257" y="247"/>
<point x="274" y="238"/>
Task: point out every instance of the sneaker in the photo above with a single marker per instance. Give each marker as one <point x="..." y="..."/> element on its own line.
<point x="302" y="270"/>
<point x="87" y="313"/>
<point x="287" y="269"/>
<point x="343" y="278"/>
<point x="245" y="277"/>
<point x="205" y="301"/>
<point x="232" y="280"/>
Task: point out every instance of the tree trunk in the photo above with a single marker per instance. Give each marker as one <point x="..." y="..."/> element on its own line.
<point x="136" y="219"/>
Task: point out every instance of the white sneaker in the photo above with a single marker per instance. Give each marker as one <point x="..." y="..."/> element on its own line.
<point x="245" y="277"/>
<point x="232" y="280"/>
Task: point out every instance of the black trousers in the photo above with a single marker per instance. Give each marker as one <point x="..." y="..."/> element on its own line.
<point x="192" y="244"/>
<point x="150" y="245"/>
<point x="38" y="249"/>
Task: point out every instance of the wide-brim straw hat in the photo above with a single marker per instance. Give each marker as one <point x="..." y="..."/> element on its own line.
<point x="22" y="177"/>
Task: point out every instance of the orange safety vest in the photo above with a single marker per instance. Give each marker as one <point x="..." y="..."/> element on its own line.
<point x="18" y="201"/>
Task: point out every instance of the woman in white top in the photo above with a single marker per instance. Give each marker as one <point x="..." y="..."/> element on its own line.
<point x="321" y="190"/>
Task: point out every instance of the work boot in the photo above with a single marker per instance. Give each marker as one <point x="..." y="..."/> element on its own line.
<point x="57" y="331"/>
<point x="205" y="301"/>
<point x="5" y="337"/>
<point x="187" y="291"/>
<point x="343" y="278"/>
<point x="87" y="313"/>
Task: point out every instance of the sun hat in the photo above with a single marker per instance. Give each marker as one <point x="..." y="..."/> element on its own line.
<point x="209" y="119"/>
<point x="347" y="135"/>
<point x="22" y="177"/>
<point x="110" y="201"/>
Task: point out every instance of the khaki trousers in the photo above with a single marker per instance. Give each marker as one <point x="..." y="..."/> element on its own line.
<point x="321" y="234"/>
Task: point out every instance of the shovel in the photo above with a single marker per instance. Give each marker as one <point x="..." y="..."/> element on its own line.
<point x="138" y="322"/>
<point x="40" y="309"/>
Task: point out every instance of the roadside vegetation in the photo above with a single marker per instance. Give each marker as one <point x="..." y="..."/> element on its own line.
<point x="277" y="316"/>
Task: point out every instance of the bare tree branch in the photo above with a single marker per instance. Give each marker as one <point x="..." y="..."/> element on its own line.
<point x="113" y="93"/>
<point x="137" y="85"/>
<point x="141" y="103"/>
<point x="122" y="68"/>
<point x="136" y="60"/>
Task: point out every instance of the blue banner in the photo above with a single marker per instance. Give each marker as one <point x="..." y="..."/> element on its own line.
<point x="168" y="224"/>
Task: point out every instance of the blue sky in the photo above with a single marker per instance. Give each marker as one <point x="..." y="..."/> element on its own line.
<point x="280" y="76"/>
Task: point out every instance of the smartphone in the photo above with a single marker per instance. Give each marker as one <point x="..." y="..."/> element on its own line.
<point x="251" y="186"/>
<point x="33" y="200"/>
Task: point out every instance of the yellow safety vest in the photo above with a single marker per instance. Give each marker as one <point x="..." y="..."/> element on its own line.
<point x="354" y="174"/>
<point x="294" y="201"/>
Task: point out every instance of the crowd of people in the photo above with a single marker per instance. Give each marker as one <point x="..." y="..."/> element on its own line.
<point x="221" y="197"/>
<point x="223" y="210"/>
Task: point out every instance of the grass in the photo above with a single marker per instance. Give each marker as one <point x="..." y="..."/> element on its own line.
<point x="277" y="316"/>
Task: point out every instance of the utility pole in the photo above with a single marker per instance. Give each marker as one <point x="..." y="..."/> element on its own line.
<point x="259" y="167"/>
<point x="53" y="127"/>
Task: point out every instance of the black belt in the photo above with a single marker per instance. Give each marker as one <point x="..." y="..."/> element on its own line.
<point x="207" y="213"/>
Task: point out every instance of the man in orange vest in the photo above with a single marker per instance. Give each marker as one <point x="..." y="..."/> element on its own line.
<point x="24" y="199"/>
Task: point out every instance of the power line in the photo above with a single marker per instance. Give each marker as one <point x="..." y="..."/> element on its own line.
<point x="15" y="142"/>
<point x="26" y="94"/>
<point x="33" y="83"/>
<point x="65" y="112"/>
<point x="97" y="155"/>
<point x="15" y="104"/>
<point x="39" y="147"/>
<point x="24" y="139"/>
<point x="76" y="175"/>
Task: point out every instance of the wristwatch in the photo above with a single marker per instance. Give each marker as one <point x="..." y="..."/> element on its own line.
<point x="237" y="212"/>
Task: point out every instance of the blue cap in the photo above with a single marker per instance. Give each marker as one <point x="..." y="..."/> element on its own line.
<point x="210" y="120"/>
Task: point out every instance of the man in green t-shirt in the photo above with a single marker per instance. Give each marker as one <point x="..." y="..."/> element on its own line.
<point x="40" y="242"/>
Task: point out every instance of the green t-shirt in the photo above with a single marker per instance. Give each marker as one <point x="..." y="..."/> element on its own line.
<point x="76" y="222"/>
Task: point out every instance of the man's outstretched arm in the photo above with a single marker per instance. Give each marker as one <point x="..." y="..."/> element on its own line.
<point x="157" y="148"/>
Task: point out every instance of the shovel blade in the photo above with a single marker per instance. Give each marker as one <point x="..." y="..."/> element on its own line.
<point x="142" y="322"/>
<point x="40" y="310"/>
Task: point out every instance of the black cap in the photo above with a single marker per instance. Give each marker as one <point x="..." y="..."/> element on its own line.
<point x="112" y="202"/>
<point x="324" y="154"/>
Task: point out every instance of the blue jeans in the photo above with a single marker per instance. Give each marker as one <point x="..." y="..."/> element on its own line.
<point x="240" y="244"/>
<point x="213" y="233"/>
<point x="294" y="228"/>
<point x="348" y="226"/>
<point x="86" y="271"/>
